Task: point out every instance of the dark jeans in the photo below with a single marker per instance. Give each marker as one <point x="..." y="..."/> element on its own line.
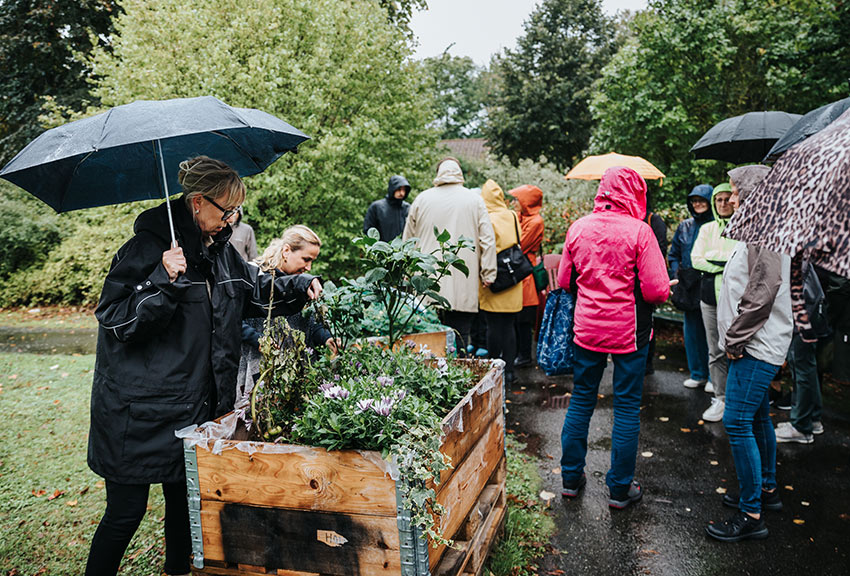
<point x="478" y="332"/>
<point x="628" y="386"/>
<point x="526" y="319"/>
<point x="125" y="507"/>
<point x="802" y="358"/>
<point x="751" y="435"/>
<point x="501" y="337"/>
<point x="460" y="322"/>
<point x="696" y="346"/>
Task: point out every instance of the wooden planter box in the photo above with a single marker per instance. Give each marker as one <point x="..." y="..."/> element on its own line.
<point x="260" y="508"/>
<point x="441" y="344"/>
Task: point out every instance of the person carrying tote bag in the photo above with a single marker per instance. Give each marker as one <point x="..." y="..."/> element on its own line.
<point x="528" y="203"/>
<point x="501" y="308"/>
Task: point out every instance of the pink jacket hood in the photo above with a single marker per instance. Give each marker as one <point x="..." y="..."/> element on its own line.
<point x="621" y="190"/>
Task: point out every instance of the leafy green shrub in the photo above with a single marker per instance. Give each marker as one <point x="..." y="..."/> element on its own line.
<point x="28" y="230"/>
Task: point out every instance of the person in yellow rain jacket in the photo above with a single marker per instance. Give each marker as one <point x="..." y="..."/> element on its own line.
<point x="709" y="255"/>
<point x="501" y="309"/>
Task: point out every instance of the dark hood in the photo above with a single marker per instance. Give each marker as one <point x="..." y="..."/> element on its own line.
<point x="701" y="191"/>
<point x="395" y="183"/>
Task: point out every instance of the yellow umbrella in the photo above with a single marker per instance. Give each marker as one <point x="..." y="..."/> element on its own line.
<point x="592" y="167"/>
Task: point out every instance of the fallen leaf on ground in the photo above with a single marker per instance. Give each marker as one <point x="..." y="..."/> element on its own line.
<point x="664" y="419"/>
<point x="646" y="454"/>
<point x="662" y="357"/>
<point x="720" y="490"/>
<point x="844" y="516"/>
<point x="546" y="495"/>
<point x="700" y="422"/>
<point x="39" y="494"/>
<point x="799" y="521"/>
<point x="550" y="457"/>
<point x="789" y="487"/>
<point x="556" y="470"/>
<point x="55" y="366"/>
<point x="556" y="572"/>
<point x="804" y="503"/>
<point x="714" y="463"/>
<point x="56" y="494"/>
<point x="685" y="430"/>
<point x="71" y="503"/>
<point x="98" y="484"/>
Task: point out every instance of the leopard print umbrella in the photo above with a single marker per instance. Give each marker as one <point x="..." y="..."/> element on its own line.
<point x="802" y="207"/>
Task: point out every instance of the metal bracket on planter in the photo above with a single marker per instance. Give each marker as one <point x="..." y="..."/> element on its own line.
<point x="451" y="344"/>
<point x="193" y="494"/>
<point x="414" y="547"/>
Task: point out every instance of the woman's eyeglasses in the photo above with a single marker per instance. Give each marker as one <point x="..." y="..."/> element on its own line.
<point x="225" y="214"/>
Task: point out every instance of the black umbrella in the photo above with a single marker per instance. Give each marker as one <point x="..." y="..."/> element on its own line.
<point x="132" y="152"/>
<point x="812" y="123"/>
<point x="745" y="138"/>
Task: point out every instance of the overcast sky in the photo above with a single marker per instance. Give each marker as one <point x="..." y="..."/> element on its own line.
<point x="481" y="28"/>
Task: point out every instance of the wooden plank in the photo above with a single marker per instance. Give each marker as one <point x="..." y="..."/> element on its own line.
<point x="459" y="495"/>
<point x="434" y="341"/>
<point x="479" y="512"/>
<point x="222" y="569"/>
<point x="298" y="541"/>
<point x="476" y="416"/>
<point x="309" y="479"/>
<point x="482" y="548"/>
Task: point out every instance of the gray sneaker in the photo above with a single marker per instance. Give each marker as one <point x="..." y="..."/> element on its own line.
<point x="817" y="427"/>
<point x="785" y="432"/>
<point x="621" y="501"/>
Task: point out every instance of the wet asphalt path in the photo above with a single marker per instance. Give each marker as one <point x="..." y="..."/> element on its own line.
<point x="681" y="465"/>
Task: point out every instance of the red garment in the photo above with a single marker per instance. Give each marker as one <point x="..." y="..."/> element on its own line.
<point x="614" y="260"/>
<point x="530" y="200"/>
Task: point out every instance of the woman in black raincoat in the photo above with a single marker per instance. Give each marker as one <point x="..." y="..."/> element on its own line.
<point x="168" y="351"/>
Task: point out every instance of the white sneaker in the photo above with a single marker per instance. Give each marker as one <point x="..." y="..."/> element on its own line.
<point x="714" y="413"/>
<point x="709" y="387"/>
<point x="691" y="383"/>
<point x="817" y="427"/>
<point x="785" y="432"/>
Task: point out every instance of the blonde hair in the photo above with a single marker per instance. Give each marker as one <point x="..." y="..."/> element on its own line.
<point x="203" y="176"/>
<point x="296" y="237"/>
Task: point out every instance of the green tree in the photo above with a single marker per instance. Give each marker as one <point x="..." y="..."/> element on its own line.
<point x="399" y="12"/>
<point x="539" y="104"/>
<point x="458" y="95"/>
<point x="40" y="45"/>
<point x="691" y="63"/>
<point x="332" y="69"/>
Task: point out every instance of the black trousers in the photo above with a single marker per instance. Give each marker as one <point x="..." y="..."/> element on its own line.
<point x="460" y="322"/>
<point x="125" y="508"/>
<point x="526" y="319"/>
<point x="501" y="337"/>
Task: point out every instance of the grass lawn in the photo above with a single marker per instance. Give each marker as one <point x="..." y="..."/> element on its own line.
<point x="50" y="502"/>
<point x="48" y="318"/>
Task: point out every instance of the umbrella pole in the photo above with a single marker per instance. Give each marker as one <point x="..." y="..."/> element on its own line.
<point x="165" y="190"/>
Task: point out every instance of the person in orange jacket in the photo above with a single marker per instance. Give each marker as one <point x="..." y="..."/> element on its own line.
<point x="529" y="201"/>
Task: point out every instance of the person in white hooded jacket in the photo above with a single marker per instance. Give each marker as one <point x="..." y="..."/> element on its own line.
<point x="450" y="206"/>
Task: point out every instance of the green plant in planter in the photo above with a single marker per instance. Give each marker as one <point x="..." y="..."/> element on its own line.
<point x="401" y="278"/>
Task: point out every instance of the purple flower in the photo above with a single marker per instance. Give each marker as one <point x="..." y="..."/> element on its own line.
<point x="385" y="407"/>
<point x="400" y="395"/>
<point x="363" y="405"/>
<point x="336" y="393"/>
<point x="325" y="386"/>
<point x="386" y="381"/>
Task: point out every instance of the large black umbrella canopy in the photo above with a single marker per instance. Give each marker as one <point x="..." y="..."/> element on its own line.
<point x="811" y="123"/>
<point x="803" y="204"/>
<point x="121" y="155"/>
<point x="744" y="138"/>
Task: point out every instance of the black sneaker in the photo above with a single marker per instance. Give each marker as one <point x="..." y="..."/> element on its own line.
<point x="784" y="402"/>
<point x="741" y="526"/>
<point x="522" y="362"/>
<point x="769" y="501"/>
<point x="572" y="491"/>
<point x="633" y="494"/>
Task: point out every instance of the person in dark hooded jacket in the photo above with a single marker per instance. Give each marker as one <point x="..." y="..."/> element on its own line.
<point x="388" y="215"/>
<point x="168" y="351"/>
<point x="686" y="294"/>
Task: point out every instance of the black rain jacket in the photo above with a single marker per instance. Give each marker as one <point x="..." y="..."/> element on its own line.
<point x="389" y="214"/>
<point x="168" y="353"/>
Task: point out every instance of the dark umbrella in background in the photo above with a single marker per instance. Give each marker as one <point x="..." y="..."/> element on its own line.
<point x="745" y="138"/>
<point x="811" y="123"/>
<point x="132" y="152"/>
<point x="804" y="202"/>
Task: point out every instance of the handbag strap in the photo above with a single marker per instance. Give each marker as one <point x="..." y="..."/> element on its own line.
<point x="516" y="227"/>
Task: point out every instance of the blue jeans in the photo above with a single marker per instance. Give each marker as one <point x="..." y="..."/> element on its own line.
<point x="628" y="386"/>
<point x="751" y="435"/>
<point x="696" y="346"/>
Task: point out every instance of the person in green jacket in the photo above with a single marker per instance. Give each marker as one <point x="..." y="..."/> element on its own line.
<point x="709" y="255"/>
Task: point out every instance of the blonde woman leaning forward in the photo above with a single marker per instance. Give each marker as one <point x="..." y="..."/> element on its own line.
<point x="293" y="253"/>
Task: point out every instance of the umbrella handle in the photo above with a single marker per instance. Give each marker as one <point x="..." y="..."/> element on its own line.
<point x="165" y="190"/>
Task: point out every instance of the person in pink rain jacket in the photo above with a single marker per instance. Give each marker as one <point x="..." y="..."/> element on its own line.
<point x="612" y="264"/>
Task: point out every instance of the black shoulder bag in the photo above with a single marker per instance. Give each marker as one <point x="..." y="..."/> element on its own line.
<point x="512" y="266"/>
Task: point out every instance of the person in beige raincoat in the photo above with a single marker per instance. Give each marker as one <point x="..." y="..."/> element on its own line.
<point x="501" y="308"/>
<point x="450" y="206"/>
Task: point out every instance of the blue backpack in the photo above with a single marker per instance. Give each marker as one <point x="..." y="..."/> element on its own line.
<point x="555" y="354"/>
